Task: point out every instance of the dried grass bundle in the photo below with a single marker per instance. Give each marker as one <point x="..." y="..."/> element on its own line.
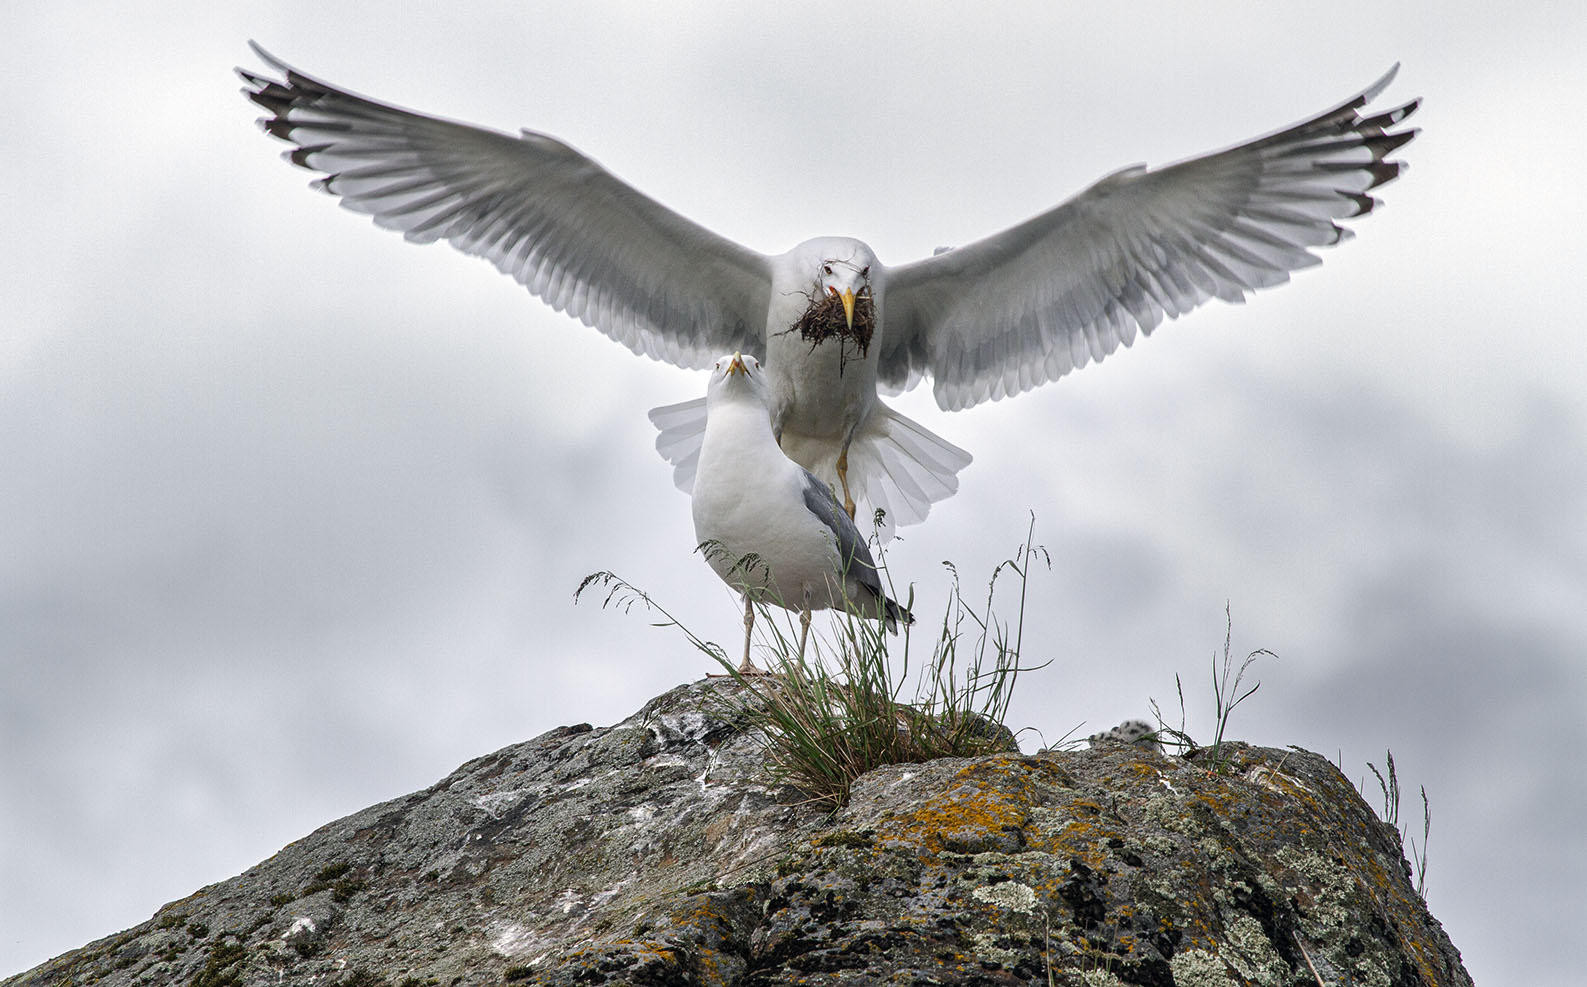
<point x="824" y="320"/>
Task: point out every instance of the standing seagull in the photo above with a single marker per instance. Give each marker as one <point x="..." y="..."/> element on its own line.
<point x="769" y="527"/>
<point x="986" y="320"/>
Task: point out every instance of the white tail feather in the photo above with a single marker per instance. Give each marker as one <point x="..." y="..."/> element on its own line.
<point x="902" y="467"/>
<point x="895" y="464"/>
<point x="682" y="428"/>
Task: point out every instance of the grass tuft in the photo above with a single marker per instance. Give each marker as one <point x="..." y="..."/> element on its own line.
<point x="1391" y="815"/>
<point x="839" y="709"/>
<point x="1226" y="686"/>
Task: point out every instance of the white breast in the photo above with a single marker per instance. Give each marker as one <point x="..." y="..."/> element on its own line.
<point x="749" y="498"/>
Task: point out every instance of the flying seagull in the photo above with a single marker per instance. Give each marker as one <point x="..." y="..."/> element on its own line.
<point x="769" y="527"/>
<point x="833" y="324"/>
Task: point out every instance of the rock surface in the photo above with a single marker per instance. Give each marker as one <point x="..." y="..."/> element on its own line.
<point x="657" y="852"/>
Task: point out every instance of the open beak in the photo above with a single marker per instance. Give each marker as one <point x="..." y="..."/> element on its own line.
<point x="737" y="366"/>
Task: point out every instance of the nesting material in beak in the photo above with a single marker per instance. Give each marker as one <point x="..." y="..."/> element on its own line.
<point x="846" y="316"/>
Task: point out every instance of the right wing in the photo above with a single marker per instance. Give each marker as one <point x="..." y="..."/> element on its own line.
<point x="1027" y="305"/>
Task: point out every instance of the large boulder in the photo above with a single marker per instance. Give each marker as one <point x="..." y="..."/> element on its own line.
<point x="658" y="851"/>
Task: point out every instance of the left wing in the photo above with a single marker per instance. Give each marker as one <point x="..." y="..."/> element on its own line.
<point x="1026" y="306"/>
<point x="557" y="222"/>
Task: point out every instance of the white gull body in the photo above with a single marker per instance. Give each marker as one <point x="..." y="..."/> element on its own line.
<point x="985" y="320"/>
<point x="769" y="527"/>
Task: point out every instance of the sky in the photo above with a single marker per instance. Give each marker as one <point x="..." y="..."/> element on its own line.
<point x="292" y="511"/>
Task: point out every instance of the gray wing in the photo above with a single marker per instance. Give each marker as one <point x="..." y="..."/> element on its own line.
<point x="856" y="555"/>
<point x="857" y="560"/>
<point x="1026" y="306"/>
<point x="557" y="222"/>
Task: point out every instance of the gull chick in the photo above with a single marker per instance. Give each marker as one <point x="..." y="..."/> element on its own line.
<point x="769" y="527"/>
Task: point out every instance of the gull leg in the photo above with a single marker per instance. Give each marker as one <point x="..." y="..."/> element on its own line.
<point x="748" y="666"/>
<point x="804" y="631"/>
<point x="843" y="478"/>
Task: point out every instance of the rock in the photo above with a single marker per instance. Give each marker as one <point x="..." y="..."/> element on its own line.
<point x="658" y="852"/>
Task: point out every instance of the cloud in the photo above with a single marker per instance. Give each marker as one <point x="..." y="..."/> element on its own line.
<point x="294" y="510"/>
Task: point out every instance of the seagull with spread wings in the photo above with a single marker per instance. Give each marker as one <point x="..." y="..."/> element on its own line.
<point x="831" y="323"/>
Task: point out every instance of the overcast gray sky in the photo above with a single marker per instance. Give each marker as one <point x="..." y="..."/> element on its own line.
<point x="291" y="511"/>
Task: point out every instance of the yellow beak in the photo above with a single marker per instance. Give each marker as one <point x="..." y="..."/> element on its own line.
<point x="737" y="366"/>
<point x="848" y="307"/>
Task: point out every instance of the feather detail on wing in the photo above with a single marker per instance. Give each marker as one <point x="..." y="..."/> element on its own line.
<point x="551" y="218"/>
<point x="1025" y="306"/>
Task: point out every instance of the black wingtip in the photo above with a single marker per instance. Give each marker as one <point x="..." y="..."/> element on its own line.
<point x="1389" y="118"/>
<point x="1364" y="205"/>
<point x="1384" y="172"/>
<point x="1386" y="145"/>
<point x="896" y="612"/>
<point x="300" y="155"/>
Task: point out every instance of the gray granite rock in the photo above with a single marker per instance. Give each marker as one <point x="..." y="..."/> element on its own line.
<point x="658" y="852"/>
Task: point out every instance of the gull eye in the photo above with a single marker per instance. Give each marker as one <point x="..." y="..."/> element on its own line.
<point x="865" y="271"/>
<point x="826" y="269"/>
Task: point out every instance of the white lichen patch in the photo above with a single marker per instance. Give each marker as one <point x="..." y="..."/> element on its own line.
<point x="1332" y="884"/>
<point x="1161" y="845"/>
<point x="1370" y="972"/>
<point x="1049" y="822"/>
<point x="1010" y="895"/>
<point x="1252" y="955"/>
<point x="986" y="948"/>
<point x="1169" y="814"/>
<point x="1100" y="978"/>
<point x="1199" y="968"/>
<point x="300" y="924"/>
